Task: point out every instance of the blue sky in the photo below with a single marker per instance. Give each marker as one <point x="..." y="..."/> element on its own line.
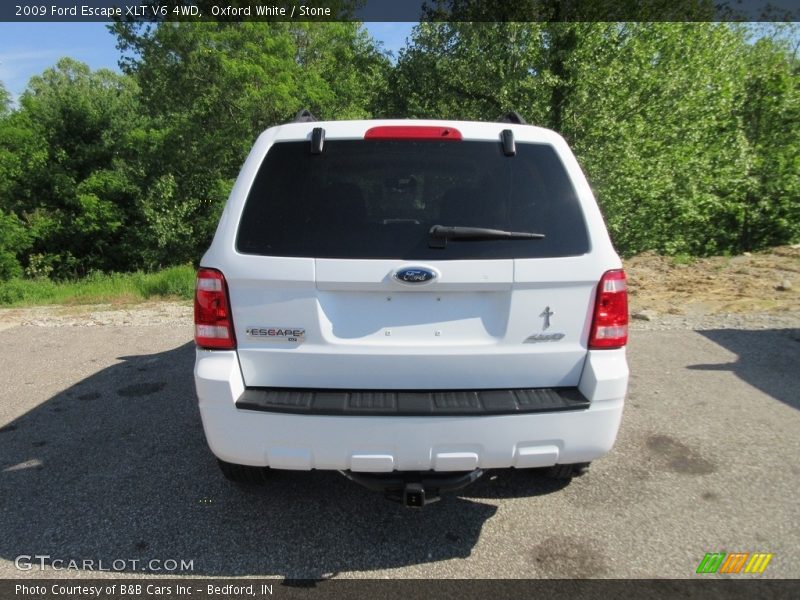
<point x="27" y="49"/>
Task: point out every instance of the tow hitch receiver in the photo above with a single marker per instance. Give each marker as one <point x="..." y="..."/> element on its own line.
<point x="414" y="495"/>
<point x="414" y="489"/>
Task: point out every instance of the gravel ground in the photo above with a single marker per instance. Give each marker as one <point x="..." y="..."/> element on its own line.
<point x="98" y="315"/>
<point x="702" y="322"/>
<point x="103" y="457"/>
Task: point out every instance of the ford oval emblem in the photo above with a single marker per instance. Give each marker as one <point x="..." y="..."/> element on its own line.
<point x="414" y="275"/>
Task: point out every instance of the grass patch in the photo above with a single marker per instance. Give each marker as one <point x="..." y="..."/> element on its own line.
<point x="101" y="288"/>
<point x="683" y="259"/>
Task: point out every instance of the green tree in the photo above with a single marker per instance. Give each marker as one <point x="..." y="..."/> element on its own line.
<point x="14" y="239"/>
<point x="22" y="151"/>
<point x="663" y="116"/>
<point x="211" y="88"/>
<point x="469" y="71"/>
<point x="770" y="112"/>
<point x="652" y="115"/>
<point x="5" y="100"/>
<point x="63" y="167"/>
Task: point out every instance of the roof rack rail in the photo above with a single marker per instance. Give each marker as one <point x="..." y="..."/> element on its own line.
<point x="304" y="116"/>
<point x="512" y="117"/>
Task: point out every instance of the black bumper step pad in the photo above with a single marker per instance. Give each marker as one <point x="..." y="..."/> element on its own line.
<point x="412" y="402"/>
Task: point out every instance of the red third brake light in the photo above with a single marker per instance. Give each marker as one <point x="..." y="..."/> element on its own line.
<point x="412" y="132"/>
<point x="213" y="325"/>
<point x="610" y="322"/>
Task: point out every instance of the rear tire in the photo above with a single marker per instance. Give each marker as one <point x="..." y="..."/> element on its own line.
<point x="566" y="471"/>
<point x="243" y="474"/>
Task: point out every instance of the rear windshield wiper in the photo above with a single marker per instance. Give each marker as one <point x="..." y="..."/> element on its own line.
<point x="439" y="234"/>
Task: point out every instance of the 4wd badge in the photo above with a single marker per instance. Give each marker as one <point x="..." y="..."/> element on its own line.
<point x="276" y="334"/>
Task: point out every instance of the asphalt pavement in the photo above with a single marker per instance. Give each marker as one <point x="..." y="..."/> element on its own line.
<point x="103" y="459"/>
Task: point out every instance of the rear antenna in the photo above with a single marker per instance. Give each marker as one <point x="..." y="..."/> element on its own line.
<point x="512" y="117"/>
<point x="304" y="116"/>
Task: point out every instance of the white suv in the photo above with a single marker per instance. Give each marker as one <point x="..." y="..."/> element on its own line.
<point x="410" y="303"/>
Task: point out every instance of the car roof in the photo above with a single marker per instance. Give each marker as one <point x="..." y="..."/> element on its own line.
<point x="356" y="129"/>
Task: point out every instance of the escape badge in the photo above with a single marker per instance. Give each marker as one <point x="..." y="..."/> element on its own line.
<point x="276" y="334"/>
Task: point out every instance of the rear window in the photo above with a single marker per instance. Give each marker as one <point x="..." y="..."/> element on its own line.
<point x="379" y="198"/>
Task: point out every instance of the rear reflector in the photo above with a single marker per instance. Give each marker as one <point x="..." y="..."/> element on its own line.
<point x="610" y="322"/>
<point x="412" y="132"/>
<point x="213" y="326"/>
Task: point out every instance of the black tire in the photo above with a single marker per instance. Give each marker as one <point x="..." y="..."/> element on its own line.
<point x="243" y="474"/>
<point x="566" y="471"/>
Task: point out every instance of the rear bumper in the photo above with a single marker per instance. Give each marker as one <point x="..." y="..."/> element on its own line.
<point x="409" y="443"/>
<point x="410" y="403"/>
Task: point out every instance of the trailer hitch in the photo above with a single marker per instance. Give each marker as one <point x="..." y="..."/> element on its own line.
<point x="414" y="489"/>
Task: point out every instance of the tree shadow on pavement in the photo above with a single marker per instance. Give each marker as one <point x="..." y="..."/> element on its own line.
<point x="768" y="359"/>
<point x="116" y="468"/>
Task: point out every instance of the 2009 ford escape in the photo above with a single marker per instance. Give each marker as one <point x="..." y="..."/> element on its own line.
<point x="410" y="303"/>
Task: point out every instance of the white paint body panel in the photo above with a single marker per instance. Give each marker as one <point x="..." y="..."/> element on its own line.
<point x="384" y="444"/>
<point x="364" y="329"/>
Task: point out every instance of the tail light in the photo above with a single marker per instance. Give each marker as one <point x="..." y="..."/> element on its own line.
<point x="610" y="322"/>
<point x="213" y="325"/>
